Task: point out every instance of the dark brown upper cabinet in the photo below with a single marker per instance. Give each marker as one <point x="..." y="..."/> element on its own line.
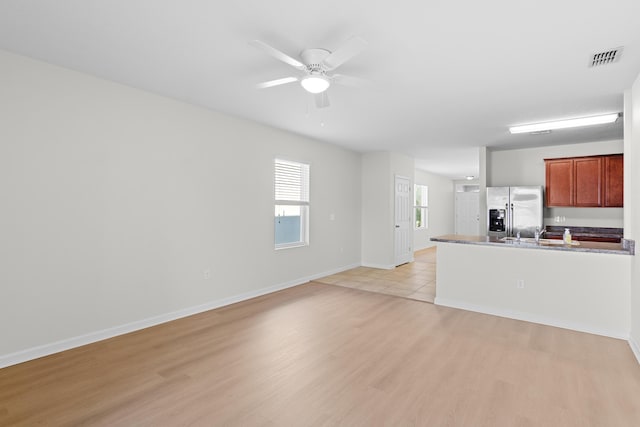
<point x="559" y="187"/>
<point x="614" y="181"/>
<point x="588" y="182"/>
<point x="593" y="181"/>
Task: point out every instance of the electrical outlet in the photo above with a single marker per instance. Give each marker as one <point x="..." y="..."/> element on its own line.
<point x="520" y="284"/>
<point x="206" y="274"/>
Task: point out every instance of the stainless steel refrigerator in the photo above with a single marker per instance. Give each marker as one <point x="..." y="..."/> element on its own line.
<point x="514" y="209"/>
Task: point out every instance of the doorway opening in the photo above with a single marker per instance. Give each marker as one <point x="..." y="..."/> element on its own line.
<point x="467" y="209"/>
<point x="403" y="232"/>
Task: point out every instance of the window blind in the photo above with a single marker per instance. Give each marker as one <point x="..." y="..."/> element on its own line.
<point x="291" y="182"/>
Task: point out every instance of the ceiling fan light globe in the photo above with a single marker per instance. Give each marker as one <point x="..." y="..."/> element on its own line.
<point x="315" y="84"/>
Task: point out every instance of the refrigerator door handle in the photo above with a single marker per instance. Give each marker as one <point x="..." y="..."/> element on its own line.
<point x="512" y="218"/>
<point x="507" y="219"/>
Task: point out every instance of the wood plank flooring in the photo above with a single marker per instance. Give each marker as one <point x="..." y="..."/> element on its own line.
<point x="325" y="355"/>
<point x="415" y="280"/>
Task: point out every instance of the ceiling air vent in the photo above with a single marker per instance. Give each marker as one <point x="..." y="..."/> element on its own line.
<point x="606" y="57"/>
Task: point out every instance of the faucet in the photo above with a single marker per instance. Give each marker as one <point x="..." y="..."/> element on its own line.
<point x="539" y="233"/>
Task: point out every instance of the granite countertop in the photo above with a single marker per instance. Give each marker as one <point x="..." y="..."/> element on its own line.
<point x="626" y="247"/>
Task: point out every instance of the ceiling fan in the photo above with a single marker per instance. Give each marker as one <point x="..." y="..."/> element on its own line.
<point x="315" y="67"/>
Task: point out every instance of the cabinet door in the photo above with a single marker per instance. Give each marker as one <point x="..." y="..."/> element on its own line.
<point x="588" y="181"/>
<point x="559" y="182"/>
<point x="613" y="180"/>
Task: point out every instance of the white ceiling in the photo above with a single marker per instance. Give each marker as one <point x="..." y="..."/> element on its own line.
<point x="447" y="77"/>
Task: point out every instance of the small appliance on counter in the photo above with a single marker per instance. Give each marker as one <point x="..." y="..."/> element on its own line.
<point x="513" y="210"/>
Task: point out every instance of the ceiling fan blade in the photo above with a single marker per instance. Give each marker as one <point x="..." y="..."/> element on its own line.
<point x="349" y="80"/>
<point x="322" y="100"/>
<point x="351" y="48"/>
<point x="277" y="82"/>
<point x="278" y="54"/>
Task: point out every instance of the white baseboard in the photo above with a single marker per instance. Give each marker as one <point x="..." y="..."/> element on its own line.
<point x="380" y="266"/>
<point x="635" y="348"/>
<point x="528" y="317"/>
<point x="334" y="271"/>
<point x="69" y="343"/>
<point x="427" y="246"/>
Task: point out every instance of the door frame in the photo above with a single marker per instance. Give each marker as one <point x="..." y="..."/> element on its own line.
<point x="400" y="258"/>
<point x="457" y="210"/>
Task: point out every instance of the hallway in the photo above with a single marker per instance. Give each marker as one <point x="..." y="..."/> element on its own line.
<point x="415" y="280"/>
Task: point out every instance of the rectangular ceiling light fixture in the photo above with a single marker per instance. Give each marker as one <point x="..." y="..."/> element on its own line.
<point x="564" y="124"/>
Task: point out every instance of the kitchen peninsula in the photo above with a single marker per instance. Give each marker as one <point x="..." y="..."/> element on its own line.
<point x="626" y="247"/>
<point x="584" y="287"/>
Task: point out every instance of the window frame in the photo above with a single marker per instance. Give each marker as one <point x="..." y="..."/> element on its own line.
<point x="424" y="207"/>
<point x="304" y="205"/>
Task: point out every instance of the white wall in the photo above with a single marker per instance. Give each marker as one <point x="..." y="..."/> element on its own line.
<point x="526" y="167"/>
<point x="484" y="160"/>
<point x="114" y="202"/>
<point x="401" y="165"/>
<point x="576" y="290"/>
<point x="441" y="208"/>
<point x="377" y="216"/>
<point x="632" y="142"/>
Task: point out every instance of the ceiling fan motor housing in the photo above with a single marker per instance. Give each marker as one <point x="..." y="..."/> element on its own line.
<point x="316" y="80"/>
<point x="313" y="59"/>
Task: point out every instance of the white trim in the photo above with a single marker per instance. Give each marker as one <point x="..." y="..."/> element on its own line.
<point x="69" y="343"/>
<point x="280" y="246"/>
<point x="403" y="258"/>
<point x="425" y="207"/>
<point x="428" y="245"/>
<point x="528" y="317"/>
<point x="333" y="271"/>
<point x="380" y="266"/>
<point x="635" y="348"/>
<point x="291" y="202"/>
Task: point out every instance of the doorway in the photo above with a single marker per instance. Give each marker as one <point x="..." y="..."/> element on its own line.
<point x="467" y="210"/>
<point x="403" y="231"/>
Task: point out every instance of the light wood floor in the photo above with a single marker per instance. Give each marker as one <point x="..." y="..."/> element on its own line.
<point x="415" y="280"/>
<point x="324" y="355"/>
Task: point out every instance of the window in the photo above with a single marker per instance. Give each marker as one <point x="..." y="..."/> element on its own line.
<point x="291" y="204"/>
<point x="421" y="206"/>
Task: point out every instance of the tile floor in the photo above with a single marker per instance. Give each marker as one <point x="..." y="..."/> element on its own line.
<point x="415" y="280"/>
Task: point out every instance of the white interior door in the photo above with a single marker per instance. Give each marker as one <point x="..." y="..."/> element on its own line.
<point x="403" y="220"/>
<point x="468" y="213"/>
